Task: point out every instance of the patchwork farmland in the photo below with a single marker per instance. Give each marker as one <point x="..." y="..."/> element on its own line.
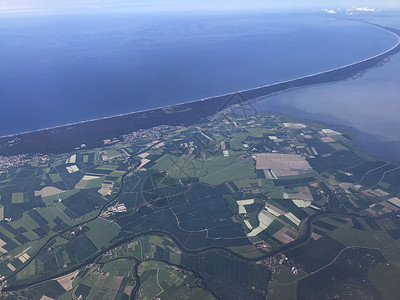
<point x="231" y="208"/>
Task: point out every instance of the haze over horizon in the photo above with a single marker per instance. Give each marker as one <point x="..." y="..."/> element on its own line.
<point x="102" y="6"/>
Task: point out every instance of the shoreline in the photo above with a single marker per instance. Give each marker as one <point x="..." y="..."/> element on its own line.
<point x="221" y="95"/>
<point x="92" y="133"/>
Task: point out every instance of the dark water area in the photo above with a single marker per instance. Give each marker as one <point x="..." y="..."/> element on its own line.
<point x="375" y="145"/>
<point x="69" y="68"/>
<point x="378" y="146"/>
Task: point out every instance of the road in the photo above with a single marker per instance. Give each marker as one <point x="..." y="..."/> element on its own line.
<point x="300" y="240"/>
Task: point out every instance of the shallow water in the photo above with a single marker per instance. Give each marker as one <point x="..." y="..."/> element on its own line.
<point x="370" y="105"/>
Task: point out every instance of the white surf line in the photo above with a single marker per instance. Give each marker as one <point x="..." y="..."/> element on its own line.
<point x="217" y="96"/>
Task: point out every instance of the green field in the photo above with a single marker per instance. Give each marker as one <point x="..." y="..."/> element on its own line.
<point x="223" y="170"/>
<point x="27" y="272"/>
<point x="282" y="292"/>
<point x="18" y="197"/>
<point x="55" y="177"/>
<point x="101" y="232"/>
<point x="385" y="278"/>
<point x="166" y="282"/>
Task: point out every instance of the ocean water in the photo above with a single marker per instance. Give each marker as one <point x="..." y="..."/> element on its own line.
<point x="68" y="68"/>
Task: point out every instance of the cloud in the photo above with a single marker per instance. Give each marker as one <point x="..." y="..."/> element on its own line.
<point x="364" y="9"/>
<point x="330" y="11"/>
<point x="361" y="9"/>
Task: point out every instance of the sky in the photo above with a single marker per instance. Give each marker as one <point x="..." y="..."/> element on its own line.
<point x="82" y="6"/>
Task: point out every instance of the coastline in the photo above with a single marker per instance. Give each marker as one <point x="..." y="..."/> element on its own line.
<point x="14" y="144"/>
<point x="245" y="91"/>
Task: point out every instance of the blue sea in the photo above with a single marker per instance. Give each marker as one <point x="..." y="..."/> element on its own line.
<point x="68" y="68"/>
